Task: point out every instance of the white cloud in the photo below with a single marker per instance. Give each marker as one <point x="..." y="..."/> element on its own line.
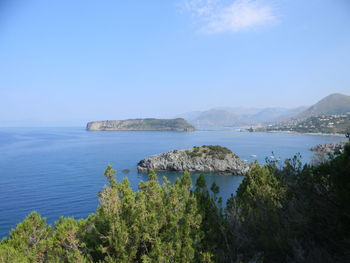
<point x="220" y="16"/>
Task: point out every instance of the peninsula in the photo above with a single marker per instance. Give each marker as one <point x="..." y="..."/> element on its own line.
<point x="178" y="124"/>
<point x="206" y="158"/>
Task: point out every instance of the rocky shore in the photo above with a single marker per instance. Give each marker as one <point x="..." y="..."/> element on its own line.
<point x="328" y="147"/>
<point x="206" y="158"/>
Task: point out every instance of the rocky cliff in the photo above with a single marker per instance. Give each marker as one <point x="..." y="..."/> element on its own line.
<point x="207" y="158"/>
<point x="178" y="124"/>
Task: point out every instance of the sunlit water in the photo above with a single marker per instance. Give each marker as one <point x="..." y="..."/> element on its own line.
<point x="58" y="171"/>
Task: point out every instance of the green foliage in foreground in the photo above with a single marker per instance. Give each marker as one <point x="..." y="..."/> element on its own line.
<point x="281" y="213"/>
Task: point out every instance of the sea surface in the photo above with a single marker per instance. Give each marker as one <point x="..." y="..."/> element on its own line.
<point x="59" y="171"/>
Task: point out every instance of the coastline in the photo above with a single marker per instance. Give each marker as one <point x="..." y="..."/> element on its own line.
<point x="306" y="133"/>
<point x="240" y="129"/>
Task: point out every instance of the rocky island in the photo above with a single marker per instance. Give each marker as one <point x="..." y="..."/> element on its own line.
<point x="206" y="158"/>
<point x="177" y="124"/>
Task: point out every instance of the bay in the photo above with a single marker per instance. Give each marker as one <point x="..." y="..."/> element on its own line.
<point x="59" y="171"/>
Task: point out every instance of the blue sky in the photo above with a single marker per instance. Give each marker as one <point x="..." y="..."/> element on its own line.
<point x="66" y="62"/>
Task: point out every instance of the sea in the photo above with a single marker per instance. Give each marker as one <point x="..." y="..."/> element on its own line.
<point x="59" y="171"/>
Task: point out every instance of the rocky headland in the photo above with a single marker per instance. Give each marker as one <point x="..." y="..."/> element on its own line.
<point x="206" y="158"/>
<point x="329" y="147"/>
<point x="177" y="124"/>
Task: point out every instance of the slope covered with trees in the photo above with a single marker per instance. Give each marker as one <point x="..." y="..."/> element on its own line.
<point x="281" y="213"/>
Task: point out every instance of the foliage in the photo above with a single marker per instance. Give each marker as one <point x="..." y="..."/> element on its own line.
<point x="195" y="152"/>
<point x="158" y="223"/>
<point x="149" y="123"/>
<point x="293" y="213"/>
<point x="213" y="222"/>
<point x="215" y="151"/>
<point x="28" y="242"/>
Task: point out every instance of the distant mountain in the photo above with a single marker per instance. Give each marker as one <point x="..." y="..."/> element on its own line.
<point x="333" y="104"/>
<point x="216" y="117"/>
<point x="269" y="115"/>
<point x="244" y="111"/>
<point x="239" y="116"/>
<point x="189" y="116"/>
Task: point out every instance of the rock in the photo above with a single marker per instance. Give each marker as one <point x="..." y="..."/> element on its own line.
<point x="329" y="147"/>
<point x="207" y="158"/>
<point x="178" y="124"/>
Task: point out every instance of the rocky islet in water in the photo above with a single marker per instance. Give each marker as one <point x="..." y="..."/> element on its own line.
<point x="206" y="158"/>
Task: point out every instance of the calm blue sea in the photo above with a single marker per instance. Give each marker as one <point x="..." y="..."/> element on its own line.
<point x="58" y="171"/>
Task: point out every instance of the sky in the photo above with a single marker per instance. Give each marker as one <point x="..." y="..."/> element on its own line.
<point x="64" y="62"/>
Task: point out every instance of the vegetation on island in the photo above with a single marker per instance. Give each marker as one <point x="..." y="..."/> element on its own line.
<point x="281" y="213"/>
<point x="215" y="151"/>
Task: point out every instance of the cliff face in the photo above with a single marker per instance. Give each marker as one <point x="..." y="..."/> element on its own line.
<point x="200" y="159"/>
<point x="141" y="124"/>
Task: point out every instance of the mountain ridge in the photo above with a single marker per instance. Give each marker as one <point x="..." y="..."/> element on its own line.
<point x="239" y="116"/>
<point x="335" y="103"/>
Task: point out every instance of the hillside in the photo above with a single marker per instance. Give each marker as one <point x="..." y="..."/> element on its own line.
<point x="141" y="125"/>
<point x="333" y="104"/>
<point x="336" y="123"/>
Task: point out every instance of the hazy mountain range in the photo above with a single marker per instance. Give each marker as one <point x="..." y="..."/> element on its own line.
<point x="240" y="116"/>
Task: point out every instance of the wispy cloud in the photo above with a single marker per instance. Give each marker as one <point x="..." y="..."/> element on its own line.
<point x="220" y="16"/>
